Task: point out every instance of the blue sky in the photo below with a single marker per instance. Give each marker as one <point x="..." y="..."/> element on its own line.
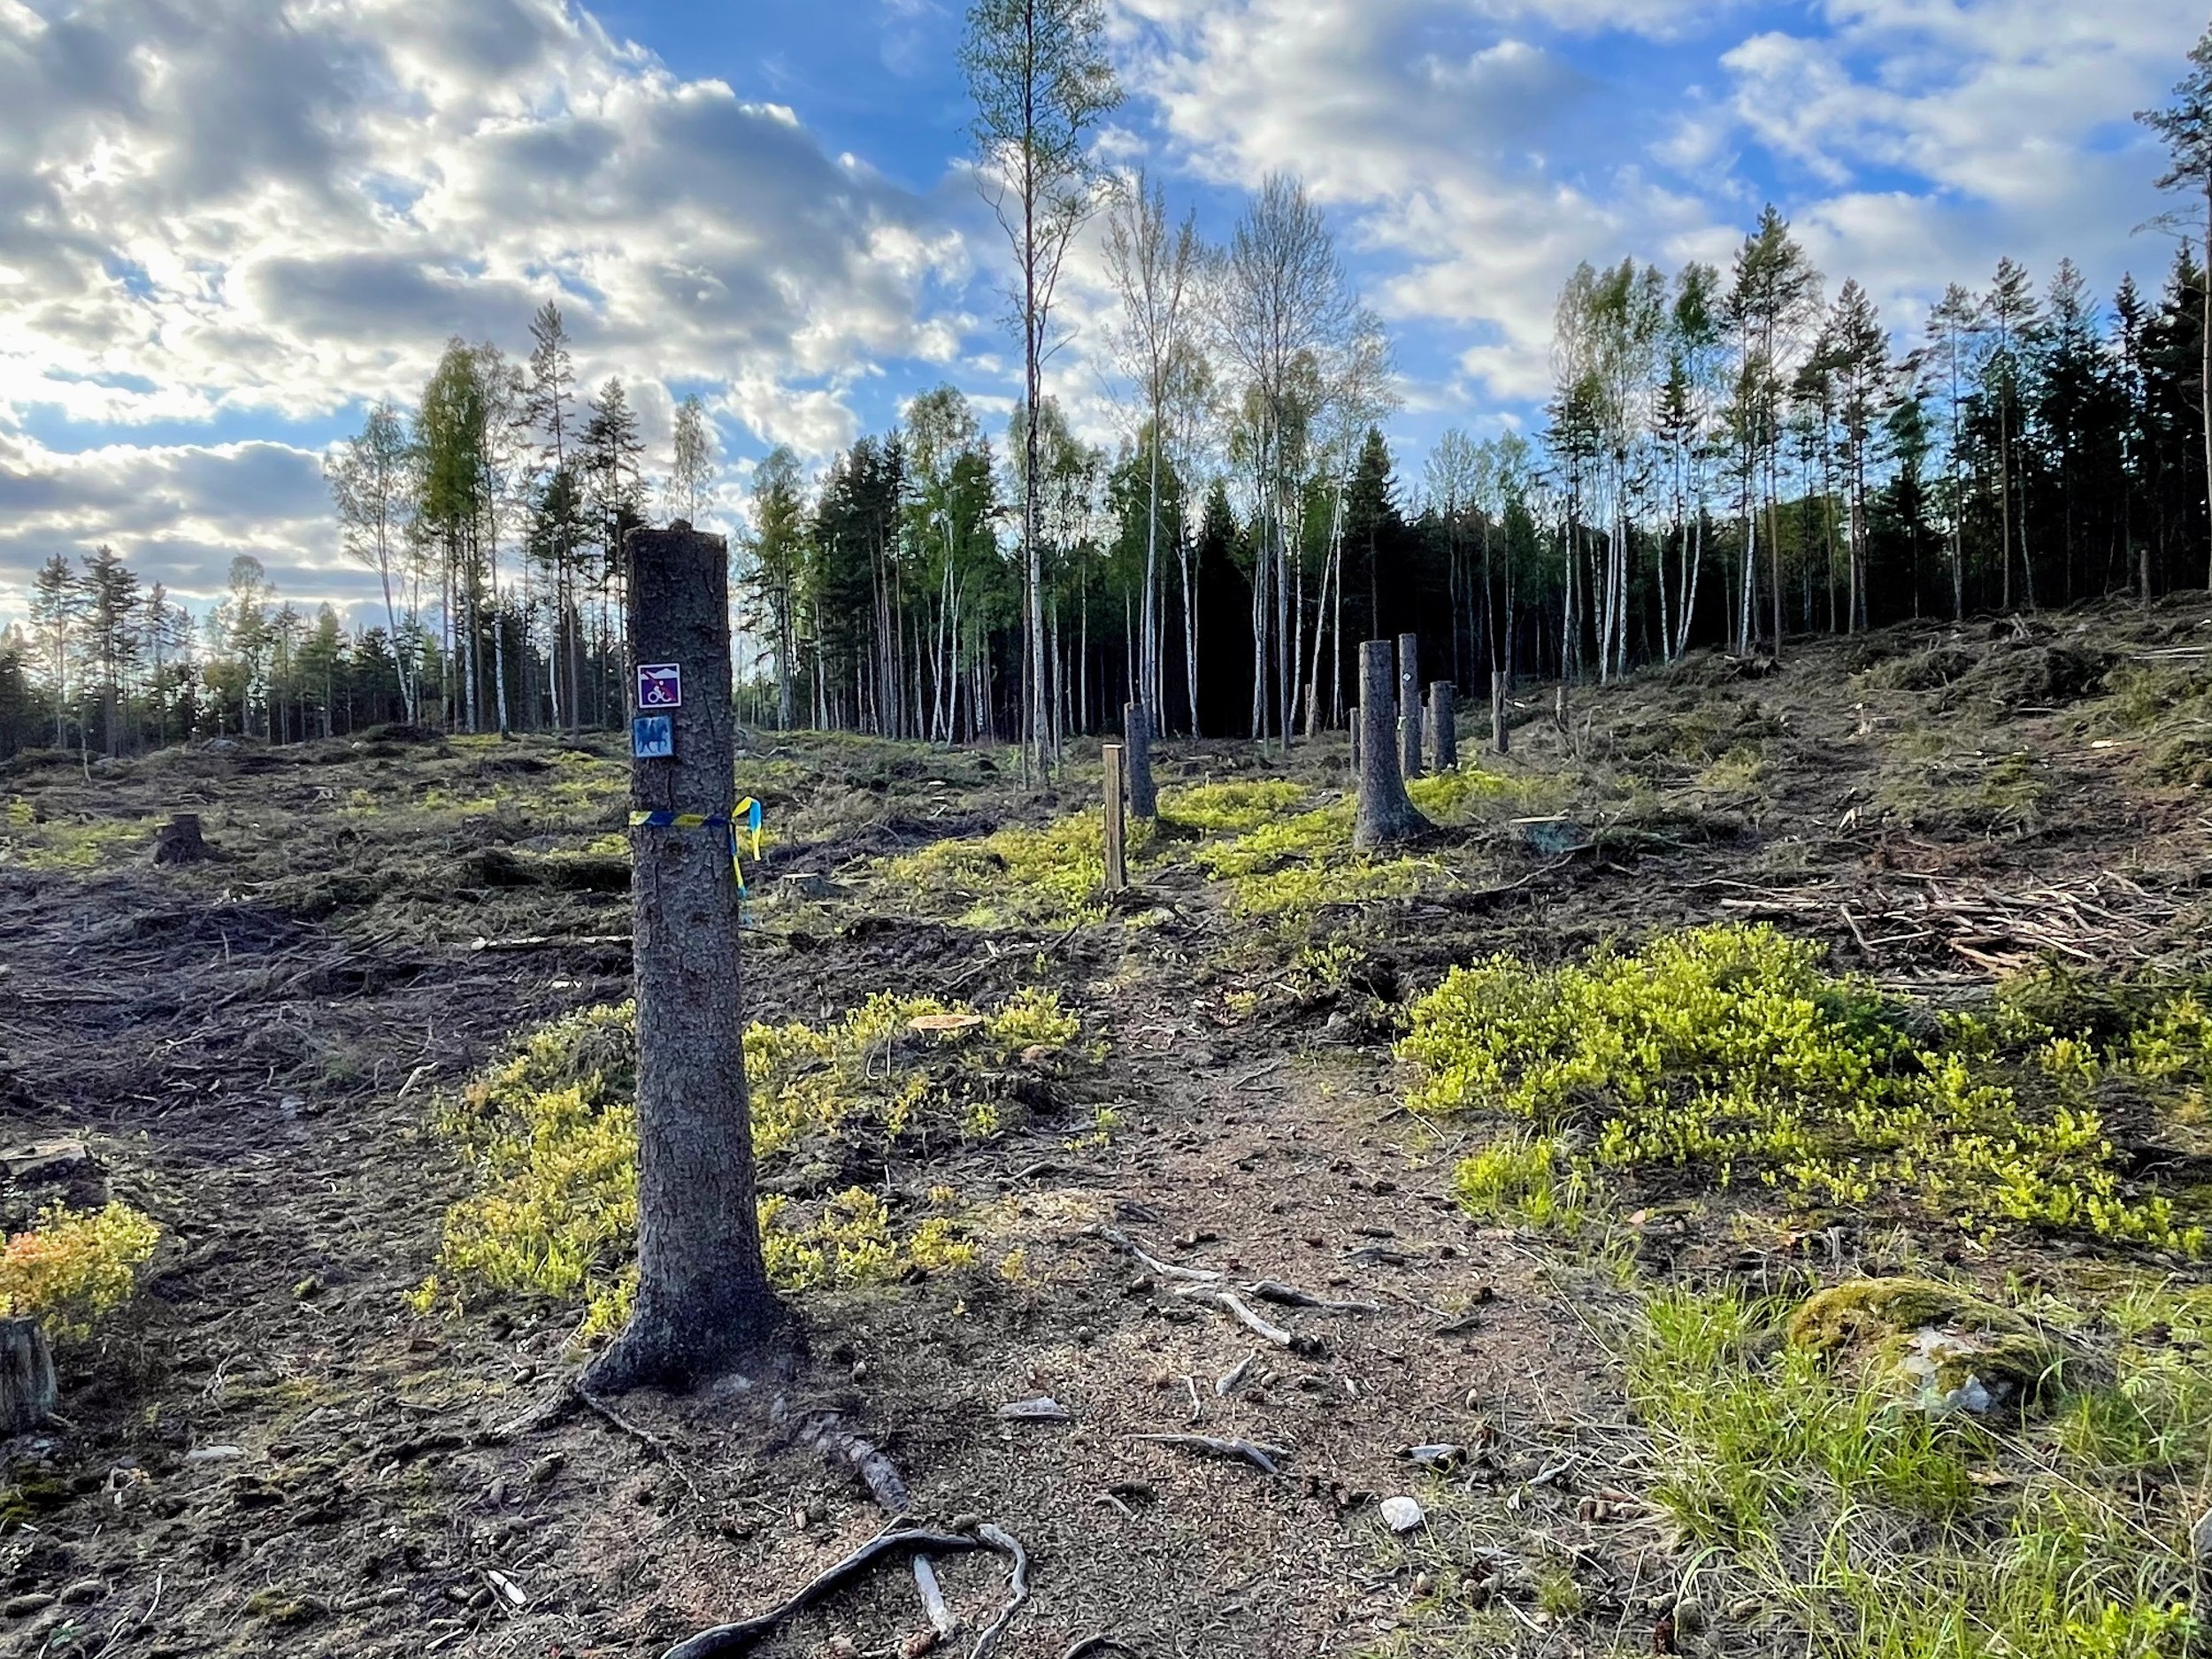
<point x="226" y="225"/>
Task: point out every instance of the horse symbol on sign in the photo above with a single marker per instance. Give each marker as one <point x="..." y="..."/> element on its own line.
<point x="660" y="686"/>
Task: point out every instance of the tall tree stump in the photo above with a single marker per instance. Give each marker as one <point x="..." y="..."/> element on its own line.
<point x="703" y="1306"/>
<point x="1384" y="813"/>
<point x="180" y="840"/>
<point x="27" y="1377"/>
<point x="1136" y="726"/>
<point x="1563" y="720"/>
<point x="1408" y="703"/>
<point x="1116" y="761"/>
<point x="1501" y="737"/>
<point x="1443" y="727"/>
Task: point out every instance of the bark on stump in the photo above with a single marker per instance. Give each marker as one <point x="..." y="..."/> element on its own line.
<point x="704" y="1307"/>
<point x="180" y="842"/>
<point x="1409" y="701"/>
<point x="1443" y="727"/>
<point x="1386" y="812"/>
<point x="1136" y="724"/>
<point x="1499" y="737"/>
<point x="27" y="1377"/>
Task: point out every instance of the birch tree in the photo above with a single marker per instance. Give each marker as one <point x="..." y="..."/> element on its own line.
<point x="371" y="481"/>
<point x="1038" y="75"/>
<point x="1156" y="268"/>
<point x="1283" y="302"/>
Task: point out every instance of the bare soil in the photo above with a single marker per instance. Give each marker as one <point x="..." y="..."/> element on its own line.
<point x="271" y="1452"/>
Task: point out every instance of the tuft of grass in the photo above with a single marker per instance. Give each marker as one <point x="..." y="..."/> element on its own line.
<point x="1525" y="1182"/>
<point x="1728" y="1048"/>
<point x="1877" y="1531"/>
<point x="549" y="1137"/>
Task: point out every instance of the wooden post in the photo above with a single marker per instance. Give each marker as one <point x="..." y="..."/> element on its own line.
<point x="1443" y="727"/>
<point x="1499" y="737"/>
<point x="1409" y="704"/>
<point x="1117" y="817"/>
<point x="703" y="1307"/>
<point x="27" y="1377"/>
<point x="1384" y="813"/>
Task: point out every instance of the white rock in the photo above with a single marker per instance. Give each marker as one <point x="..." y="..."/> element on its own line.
<point x="1403" y="1515"/>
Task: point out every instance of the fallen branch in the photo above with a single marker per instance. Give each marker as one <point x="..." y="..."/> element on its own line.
<point x="736" y="1638"/>
<point x="1232" y="1379"/>
<point x="1152" y="1264"/>
<point x="1241" y="1311"/>
<point x="828" y="1435"/>
<point x="1291" y="1296"/>
<point x="1261" y="1457"/>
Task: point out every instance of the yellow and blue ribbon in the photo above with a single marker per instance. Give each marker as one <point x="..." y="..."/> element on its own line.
<point x="746" y="813"/>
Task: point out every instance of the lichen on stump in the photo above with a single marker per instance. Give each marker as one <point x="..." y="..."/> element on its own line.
<point x="1386" y="813"/>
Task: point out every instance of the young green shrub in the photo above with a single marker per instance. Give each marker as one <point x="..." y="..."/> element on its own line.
<point x="73" y="1269"/>
<point x="1015" y="874"/>
<point x="550" y="1136"/>
<point x="1728" y="1048"/>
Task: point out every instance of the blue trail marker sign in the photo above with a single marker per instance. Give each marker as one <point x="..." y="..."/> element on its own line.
<point x="653" y="737"/>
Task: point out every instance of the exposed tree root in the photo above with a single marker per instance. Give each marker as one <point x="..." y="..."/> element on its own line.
<point x="656" y="1447"/>
<point x="1261" y="1457"/>
<point x="736" y="1638"/>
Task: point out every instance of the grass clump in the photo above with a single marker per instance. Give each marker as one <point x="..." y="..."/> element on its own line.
<point x="1880" y="1531"/>
<point x="1525" y="1182"/>
<point x="73" y="1269"/>
<point x="551" y="1138"/>
<point x="1729" y="1049"/>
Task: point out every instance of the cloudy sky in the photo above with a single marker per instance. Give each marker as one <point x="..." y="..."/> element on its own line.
<point x="228" y="226"/>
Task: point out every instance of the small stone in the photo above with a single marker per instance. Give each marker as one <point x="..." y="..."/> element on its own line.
<point x="24" y="1606"/>
<point x="84" y="1590"/>
<point x="1403" y="1515"/>
<point x="1043" y="1409"/>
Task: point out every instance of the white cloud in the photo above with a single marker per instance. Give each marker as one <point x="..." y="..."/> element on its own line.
<point x="215" y="208"/>
<point x="1475" y="157"/>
